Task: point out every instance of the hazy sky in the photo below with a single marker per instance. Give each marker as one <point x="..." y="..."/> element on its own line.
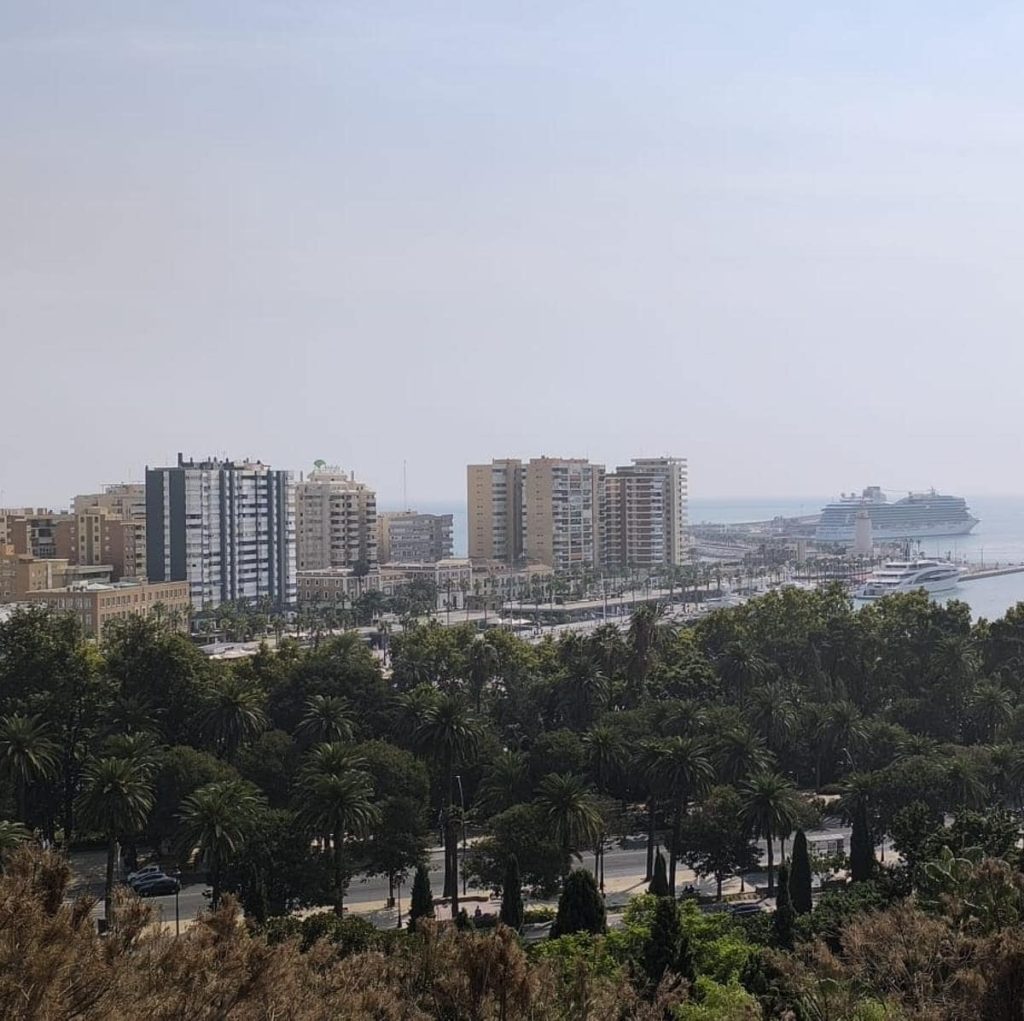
<point x="784" y="240"/>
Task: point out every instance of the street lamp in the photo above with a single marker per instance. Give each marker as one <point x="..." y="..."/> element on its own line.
<point x="462" y="807"/>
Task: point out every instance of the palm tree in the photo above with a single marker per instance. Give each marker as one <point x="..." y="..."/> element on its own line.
<point x="741" y="668"/>
<point x="505" y="783"/>
<point x="606" y="754"/>
<point x="331" y="757"/>
<point x="769" y="808"/>
<point x="234" y="714"/>
<point x="840" y="730"/>
<point x="327" y="718"/>
<point x="141" y="747"/>
<point x="216" y="820"/>
<point x="12" y="836"/>
<point x="966" y="787"/>
<point x="772" y="714"/>
<point x="569" y="806"/>
<point x="645" y="637"/>
<point x="991" y="707"/>
<point x="337" y="805"/>
<point x="116" y="798"/>
<point x="449" y="734"/>
<point x="738" y="753"/>
<point x="681" y="771"/>
<point x="482" y="663"/>
<point x="584" y="695"/>
<point x="27" y="755"/>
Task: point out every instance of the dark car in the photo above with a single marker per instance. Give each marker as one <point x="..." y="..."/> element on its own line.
<point x="739" y="910"/>
<point x="158" y="886"/>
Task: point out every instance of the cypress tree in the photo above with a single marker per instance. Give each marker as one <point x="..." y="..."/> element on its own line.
<point x="862" y="851"/>
<point x="659" y="882"/>
<point x="800" y="875"/>
<point x="512" y="895"/>
<point x="580" y="908"/>
<point x="663" y="939"/>
<point x="422" y="904"/>
<point x="785" y="916"/>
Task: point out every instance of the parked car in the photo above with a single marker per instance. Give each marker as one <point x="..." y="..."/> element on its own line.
<point x="748" y="908"/>
<point x="139" y="874"/>
<point x="158" y="886"/>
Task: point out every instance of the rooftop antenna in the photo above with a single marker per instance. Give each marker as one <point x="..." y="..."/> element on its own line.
<point x="405" y="487"/>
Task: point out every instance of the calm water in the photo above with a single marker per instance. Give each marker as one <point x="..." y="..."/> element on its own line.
<point x="997" y="539"/>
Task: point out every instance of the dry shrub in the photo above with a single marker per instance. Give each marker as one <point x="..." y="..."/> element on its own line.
<point x="54" y="967"/>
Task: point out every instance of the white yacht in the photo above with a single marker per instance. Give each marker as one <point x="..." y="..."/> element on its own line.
<point x="934" y="576"/>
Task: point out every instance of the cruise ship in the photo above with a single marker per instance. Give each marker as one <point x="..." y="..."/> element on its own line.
<point x="917" y="516"/>
<point x="934" y="576"/>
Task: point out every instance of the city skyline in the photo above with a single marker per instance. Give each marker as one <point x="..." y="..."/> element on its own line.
<point x="784" y="243"/>
<point x="54" y="494"/>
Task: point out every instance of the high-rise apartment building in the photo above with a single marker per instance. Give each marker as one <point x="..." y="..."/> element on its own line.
<point x="407" y="537"/>
<point x="336" y="521"/>
<point x="563" y="514"/>
<point x="645" y="514"/>
<point x="225" y="527"/>
<point x="495" y="511"/>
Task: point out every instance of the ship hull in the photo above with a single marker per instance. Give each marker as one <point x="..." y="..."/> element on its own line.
<point x="888" y="533"/>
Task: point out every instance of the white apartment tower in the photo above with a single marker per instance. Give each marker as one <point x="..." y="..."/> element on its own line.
<point x="226" y="527"/>
<point x="336" y="520"/>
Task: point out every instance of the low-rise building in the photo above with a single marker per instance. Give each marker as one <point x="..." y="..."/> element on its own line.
<point x="452" y="578"/>
<point x="96" y="604"/>
<point x="333" y="586"/>
<point x="339" y="587"/>
<point x="22" y="573"/>
<point x="498" y="580"/>
<point x="408" y="537"/>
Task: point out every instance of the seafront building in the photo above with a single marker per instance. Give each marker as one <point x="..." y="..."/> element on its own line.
<point x="645" y="514"/>
<point x="409" y="537"/>
<point x="494" y="505"/>
<point x="569" y="514"/>
<point x="225" y="527"/>
<point x="336" y="521"/>
<point x="563" y="514"/>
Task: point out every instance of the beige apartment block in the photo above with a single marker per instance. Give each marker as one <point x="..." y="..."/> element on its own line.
<point x="336" y="521"/>
<point x="22" y="574"/>
<point x="96" y="605"/>
<point x="494" y="499"/>
<point x="646" y="514"/>
<point x="39" y="533"/>
<point x="563" y="509"/>
<point x="110" y="528"/>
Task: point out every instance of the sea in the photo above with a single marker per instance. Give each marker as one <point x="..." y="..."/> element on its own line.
<point x="997" y="540"/>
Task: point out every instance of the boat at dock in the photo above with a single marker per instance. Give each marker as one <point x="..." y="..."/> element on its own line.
<point x="910" y="575"/>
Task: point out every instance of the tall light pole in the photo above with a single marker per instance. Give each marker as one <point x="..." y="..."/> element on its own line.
<point x="462" y="806"/>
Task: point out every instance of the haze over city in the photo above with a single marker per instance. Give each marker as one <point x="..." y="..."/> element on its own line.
<point x="784" y="245"/>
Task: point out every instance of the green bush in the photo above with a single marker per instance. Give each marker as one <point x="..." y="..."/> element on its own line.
<point x="532" y="916"/>
<point x="716" y="1002"/>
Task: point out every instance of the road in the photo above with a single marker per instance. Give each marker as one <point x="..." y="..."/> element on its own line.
<point x="623" y="870"/>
